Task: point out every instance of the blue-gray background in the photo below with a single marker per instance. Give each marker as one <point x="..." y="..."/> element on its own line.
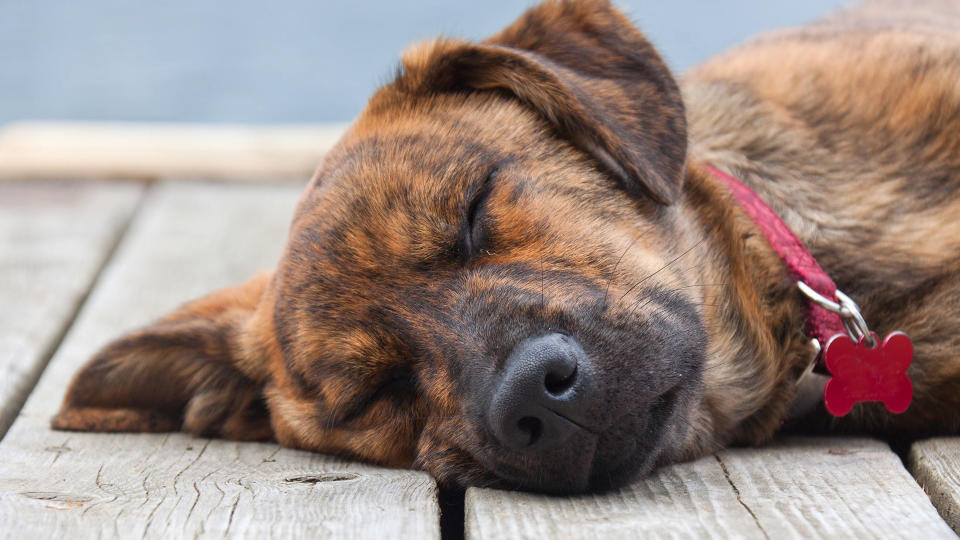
<point x="286" y="61"/>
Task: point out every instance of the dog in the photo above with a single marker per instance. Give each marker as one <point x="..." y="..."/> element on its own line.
<point x="516" y="270"/>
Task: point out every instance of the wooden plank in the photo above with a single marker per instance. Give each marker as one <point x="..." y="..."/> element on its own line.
<point x="54" y="238"/>
<point x="799" y="488"/>
<point x="689" y="500"/>
<point x="935" y="463"/>
<point x="187" y="240"/>
<point x="150" y="151"/>
<point x="832" y="488"/>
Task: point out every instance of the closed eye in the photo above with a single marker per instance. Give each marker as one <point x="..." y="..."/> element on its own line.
<point x="474" y="236"/>
<point x="399" y="386"/>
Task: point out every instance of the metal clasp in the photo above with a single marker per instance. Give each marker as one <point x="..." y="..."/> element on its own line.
<point x="847" y="309"/>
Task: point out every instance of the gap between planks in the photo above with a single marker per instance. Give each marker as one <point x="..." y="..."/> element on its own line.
<point x="936" y="465"/>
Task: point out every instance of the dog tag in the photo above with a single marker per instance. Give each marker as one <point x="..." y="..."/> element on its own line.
<point x="862" y="373"/>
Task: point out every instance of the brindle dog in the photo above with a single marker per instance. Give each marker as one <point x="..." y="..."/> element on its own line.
<point x="513" y="269"/>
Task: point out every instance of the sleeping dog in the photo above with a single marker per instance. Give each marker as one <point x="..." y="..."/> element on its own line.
<point x="517" y="269"/>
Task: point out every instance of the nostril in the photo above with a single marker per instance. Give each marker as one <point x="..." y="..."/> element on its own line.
<point x="558" y="383"/>
<point x="542" y="396"/>
<point x="532" y="426"/>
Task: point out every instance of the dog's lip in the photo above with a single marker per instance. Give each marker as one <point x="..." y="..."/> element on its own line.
<point x="626" y="469"/>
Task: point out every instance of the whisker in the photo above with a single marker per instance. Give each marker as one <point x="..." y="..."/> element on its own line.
<point x="675" y="259"/>
<point x="637" y="305"/>
<point x="614" y="272"/>
<point x="675" y="278"/>
<point x="696" y="285"/>
<point x="542" y="303"/>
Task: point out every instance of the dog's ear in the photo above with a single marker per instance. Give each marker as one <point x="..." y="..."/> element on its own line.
<point x="591" y="73"/>
<point x="201" y="369"/>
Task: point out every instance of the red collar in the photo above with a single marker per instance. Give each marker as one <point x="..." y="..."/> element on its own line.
<point x="863" y="369"/>
<point x="801" y="265"/>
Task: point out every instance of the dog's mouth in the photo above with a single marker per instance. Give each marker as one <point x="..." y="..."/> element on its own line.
<point x="593" y="462"/>
<point x="623" y="457"/>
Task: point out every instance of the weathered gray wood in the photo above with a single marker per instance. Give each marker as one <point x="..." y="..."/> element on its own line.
<point x="54" y="238"/>
<point x="831" y="488"/>
<point x="796" y="488"/>
<point x="692" y="500"/>
<point x="936" y="465"/>
<point x="187" y="240"/>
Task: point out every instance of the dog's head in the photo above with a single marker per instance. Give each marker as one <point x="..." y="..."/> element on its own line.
<point x="484" y="280"/>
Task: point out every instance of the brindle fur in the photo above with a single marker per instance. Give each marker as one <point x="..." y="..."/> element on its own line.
<point x="542" y="181"/>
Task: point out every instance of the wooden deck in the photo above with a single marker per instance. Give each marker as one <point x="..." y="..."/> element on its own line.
<point x="81" y="262"/>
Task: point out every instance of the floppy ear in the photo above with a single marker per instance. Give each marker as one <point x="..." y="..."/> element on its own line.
<point x="588" y="71"/>
<point x="201" y="369"/>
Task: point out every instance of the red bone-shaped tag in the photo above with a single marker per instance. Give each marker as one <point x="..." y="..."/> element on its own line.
<point x="861" y="373"/>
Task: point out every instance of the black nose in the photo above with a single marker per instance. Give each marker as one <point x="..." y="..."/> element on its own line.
<point x="539" y="400"/>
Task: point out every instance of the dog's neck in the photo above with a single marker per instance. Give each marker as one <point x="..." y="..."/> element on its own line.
<point x="757" y="349"/>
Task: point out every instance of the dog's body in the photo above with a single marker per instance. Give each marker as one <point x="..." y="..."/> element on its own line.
<point x="850" y="129"/>
<point x="527" y="211"/>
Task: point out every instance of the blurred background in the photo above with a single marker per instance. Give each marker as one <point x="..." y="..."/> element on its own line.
<point x="293" y="61"/>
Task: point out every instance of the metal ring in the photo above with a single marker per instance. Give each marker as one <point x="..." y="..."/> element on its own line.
<point x="821" y="300"/>
<point x="853" y="317"/>
<point x="855" y="333"/>
<point x="849" y="311"/>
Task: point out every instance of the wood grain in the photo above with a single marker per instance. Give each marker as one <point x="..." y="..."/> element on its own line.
<point x="149" y="151"/>
<point x="187" y="240"/>
<point x="690" y="500"/>
<point x="54" y="238"/>
<point x="936" y="465"/>
<point x="795" y="488"/>
<point x="831" y="488"/>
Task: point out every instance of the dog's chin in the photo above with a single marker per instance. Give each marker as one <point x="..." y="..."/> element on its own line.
<point x="623" y="456"/>
<point x="562" y="471"/>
